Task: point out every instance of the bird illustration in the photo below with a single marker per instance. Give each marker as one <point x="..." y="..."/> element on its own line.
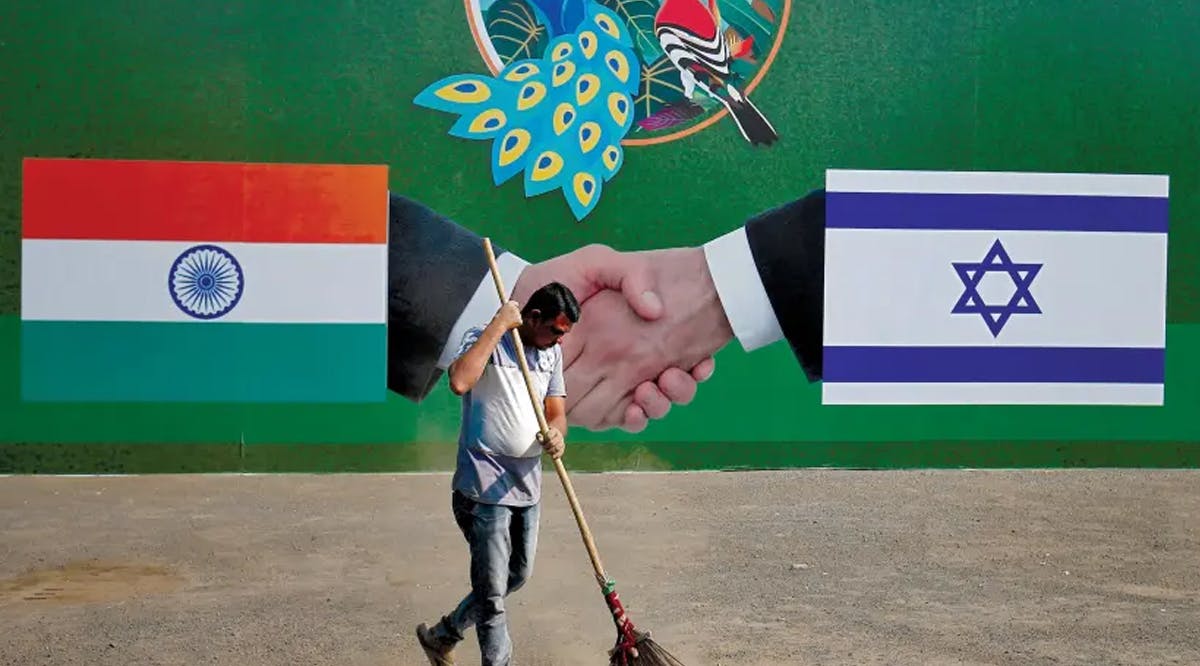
<point x="689" y="33"/>
<point x="559" y="118"/>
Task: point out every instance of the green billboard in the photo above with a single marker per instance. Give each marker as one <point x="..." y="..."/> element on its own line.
<point x="748" y="162"/>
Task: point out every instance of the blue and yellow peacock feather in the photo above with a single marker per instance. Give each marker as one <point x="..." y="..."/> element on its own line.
<point x="558" y="119"/>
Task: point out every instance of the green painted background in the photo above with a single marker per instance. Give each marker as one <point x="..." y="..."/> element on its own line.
<point x="918" y="84"/>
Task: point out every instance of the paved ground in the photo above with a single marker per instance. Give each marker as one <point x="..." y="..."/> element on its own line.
<point x="805" y="567"/>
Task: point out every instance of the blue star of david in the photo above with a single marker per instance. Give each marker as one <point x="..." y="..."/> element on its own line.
<point x="996" y="261"/>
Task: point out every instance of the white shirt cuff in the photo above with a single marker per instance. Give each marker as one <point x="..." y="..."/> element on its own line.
<point x="483" y="304"/>
<point x="741" y="290"/>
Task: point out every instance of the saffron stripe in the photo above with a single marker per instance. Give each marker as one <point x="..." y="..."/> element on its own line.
<point x="1016" y="212"/>
<point x="1129" y="365"/>
<point x="204" y="201"/>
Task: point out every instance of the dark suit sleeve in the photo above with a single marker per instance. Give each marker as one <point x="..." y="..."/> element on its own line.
<point x="788" y="246"/>
<point x="434" y="267"/>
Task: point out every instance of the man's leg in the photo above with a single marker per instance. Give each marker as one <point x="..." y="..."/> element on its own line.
<point x="451" y="629"/>
<point x="489" y="581"/>
<point x="524" y="536"/>
<point x="486" y="527"/>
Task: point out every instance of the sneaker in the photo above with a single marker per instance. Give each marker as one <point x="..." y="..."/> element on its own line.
<point x="438" y="654"/>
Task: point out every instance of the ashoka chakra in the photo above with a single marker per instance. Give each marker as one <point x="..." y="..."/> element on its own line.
<point x="206" y="282"/>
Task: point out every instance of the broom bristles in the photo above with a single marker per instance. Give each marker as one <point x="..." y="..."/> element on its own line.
<point x="633" y="648"/>
<point x="645" y="653"/>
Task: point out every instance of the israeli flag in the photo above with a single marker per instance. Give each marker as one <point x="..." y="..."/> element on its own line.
<point x="994" y="288"/>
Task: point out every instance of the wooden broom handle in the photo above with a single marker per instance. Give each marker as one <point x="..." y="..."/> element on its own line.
<point x="541" y="417"/>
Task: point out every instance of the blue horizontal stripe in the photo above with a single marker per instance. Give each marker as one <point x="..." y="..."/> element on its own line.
<point x="1001" y="212"/>
<point x="112" y="361"/>
<point x="994" y="364"/>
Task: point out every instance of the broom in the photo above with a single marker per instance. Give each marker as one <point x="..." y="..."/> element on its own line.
<point x="634" y="647"/>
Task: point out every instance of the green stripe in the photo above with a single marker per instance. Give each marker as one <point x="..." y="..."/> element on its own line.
<point x="202" y="362"/>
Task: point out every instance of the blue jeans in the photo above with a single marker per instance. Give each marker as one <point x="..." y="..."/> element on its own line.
<point x="502" y="541"/>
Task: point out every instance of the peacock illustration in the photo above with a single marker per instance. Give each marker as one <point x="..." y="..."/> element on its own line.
<point x="559" y="119"/>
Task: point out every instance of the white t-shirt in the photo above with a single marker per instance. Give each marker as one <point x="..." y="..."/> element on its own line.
<point x="499" y="457"/>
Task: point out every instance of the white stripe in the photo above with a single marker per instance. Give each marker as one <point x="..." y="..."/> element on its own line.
<point x="991" y="394"/>
<point x="997" y="182"/>
<point x="898" y="287"/>
<point x="88" y="280"/>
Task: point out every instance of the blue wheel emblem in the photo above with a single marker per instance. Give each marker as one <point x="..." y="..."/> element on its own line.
<point x="206" y="282"/>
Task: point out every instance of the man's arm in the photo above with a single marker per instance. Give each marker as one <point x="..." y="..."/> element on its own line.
<point x="438" y="286"/>
<point x="478" y="346"/>
<point x="770" y="276"/>
<point x="556" y="396"/>
<point x="556" y="414"/>
<point x="555" y="409"/>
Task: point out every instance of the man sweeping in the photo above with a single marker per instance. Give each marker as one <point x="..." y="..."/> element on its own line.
<point x="496" y="488"/>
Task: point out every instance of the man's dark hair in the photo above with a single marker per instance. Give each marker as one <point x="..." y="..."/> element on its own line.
<point x="552" y="299"/>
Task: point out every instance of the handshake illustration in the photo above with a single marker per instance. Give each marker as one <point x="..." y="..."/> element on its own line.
<point x="651" y="322"/>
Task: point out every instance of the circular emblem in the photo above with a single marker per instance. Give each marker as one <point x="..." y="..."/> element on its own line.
<point x="206" y="282"/>
<point x="697" y="61"/>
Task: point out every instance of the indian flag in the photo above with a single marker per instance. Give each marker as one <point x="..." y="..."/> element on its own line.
<point x="165" y="281"/>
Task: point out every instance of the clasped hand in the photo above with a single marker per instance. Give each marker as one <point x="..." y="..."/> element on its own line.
<point x="650" y="323"/>
<point x="552" y="442"/>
